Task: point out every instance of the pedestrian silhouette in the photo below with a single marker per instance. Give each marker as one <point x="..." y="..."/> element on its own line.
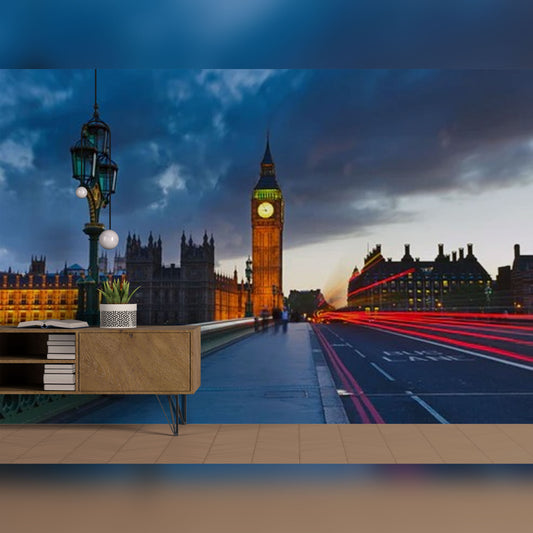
<point x="276" y="316"/>
<point x="264" y="318"/>
<point x="285" y="319"/>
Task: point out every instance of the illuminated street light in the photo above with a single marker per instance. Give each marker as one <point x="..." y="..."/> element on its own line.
<point x="96" y="173"/>
<point x="249" y="272"/>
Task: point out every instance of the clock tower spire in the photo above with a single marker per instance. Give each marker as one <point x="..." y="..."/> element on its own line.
<point x="267" y="237"/>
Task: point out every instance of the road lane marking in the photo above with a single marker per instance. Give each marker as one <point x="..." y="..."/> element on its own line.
<point x="388" y="376"/>
<point x="428" y="358"/>
<point x="359" y="399"/>
<point x="336" y="335"/>
<point x="427" y="407"/>
<point x="345" y="344"/>
<point x="337" y="345"/>
<point x="342" y="392"/>
<point x="451" y="347"/>
<point x="412" y="352"/>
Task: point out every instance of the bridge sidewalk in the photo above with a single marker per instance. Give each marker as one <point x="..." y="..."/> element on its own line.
<point x="271" y="377"/>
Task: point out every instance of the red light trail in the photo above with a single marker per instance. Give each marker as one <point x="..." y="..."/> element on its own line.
<point x="380" y="282"/>
<point x="410" y="323"/>
<point x="464" y="333"/>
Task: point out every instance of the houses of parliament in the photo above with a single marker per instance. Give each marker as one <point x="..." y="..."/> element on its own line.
<point x="169" y="294"/>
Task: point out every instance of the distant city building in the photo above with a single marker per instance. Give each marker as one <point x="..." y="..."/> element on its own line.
<point x="502" y="297"/>
<point x="190" y="293"/>
<point x="102" y="264"/>
<point x="38" y="295"/>
<point x="514" y="284"/>
<point x="305" y="303"/>
<point x="456" y="283"/>
<point x="75" y="270"/>
<point x="116" y="269"/>
<point x="119" y="264"/>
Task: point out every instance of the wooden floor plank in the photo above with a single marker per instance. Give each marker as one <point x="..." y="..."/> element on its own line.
<point x="365" y="444"/>
<point x="191" y="445"/>
<point x="102" y="445"/>
<point x="321" y="444"/>
<point x="522" y="434"/>
<point x="58" y="445"/>
<point x="495" y="443"/>
<point x="452" y="444"/>
<point x="19" y="442"/>
<point x="408" y="445"/>
<point x="145" y="446"/>
<point x="234" y="443"/>
<point x="277" y="443"/>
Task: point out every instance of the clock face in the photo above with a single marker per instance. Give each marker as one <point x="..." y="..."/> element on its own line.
<point x="265" y="210"/>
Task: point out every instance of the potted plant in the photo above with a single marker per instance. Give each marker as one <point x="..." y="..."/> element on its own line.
<point x="117" y="311"/>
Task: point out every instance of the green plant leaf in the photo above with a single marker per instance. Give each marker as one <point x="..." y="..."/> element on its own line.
<point x="129" y="297"/>
<point x="116" y="293"/>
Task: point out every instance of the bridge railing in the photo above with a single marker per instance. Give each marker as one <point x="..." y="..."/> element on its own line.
<point x="215" y="335"/>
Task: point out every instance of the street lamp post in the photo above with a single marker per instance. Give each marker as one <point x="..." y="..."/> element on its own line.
<point x="96" y="172"/>
<point x="249" y="308"/>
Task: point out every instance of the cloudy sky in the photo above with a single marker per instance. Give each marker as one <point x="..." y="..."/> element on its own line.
<point x="267" y="33"/>
<point x="424" y="137"/>
<point x="363" y="157"/>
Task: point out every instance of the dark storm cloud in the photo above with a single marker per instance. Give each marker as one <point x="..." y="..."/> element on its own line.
<point x="267" y="33"/>
<point x="348" y="145"/>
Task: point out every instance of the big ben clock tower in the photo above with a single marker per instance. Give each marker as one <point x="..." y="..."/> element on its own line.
<point x="267" y="238"/>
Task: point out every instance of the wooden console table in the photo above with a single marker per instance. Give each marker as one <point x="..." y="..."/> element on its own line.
<point x="162" y="360"/>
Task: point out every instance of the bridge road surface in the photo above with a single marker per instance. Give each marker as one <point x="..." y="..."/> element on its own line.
<point x="395" y="378"/>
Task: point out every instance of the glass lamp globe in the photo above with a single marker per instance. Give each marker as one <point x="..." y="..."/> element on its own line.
<point x="108" y="239"/>
<point x="81" y="192"/>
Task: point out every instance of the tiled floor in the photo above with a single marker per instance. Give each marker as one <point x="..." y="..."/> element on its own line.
<point x="268" y="443"/>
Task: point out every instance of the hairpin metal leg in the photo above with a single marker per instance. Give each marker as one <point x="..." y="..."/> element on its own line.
<point x="178" y="411"/>
<point x="182" y="408"/>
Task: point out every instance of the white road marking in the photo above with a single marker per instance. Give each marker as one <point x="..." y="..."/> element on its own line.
<point x="342" y="392"/>
<point x="359" y="353"/>
<point x="337" y="345"/>
<point x="388" y="376"/>
<point x="450" y="347"/>
<point x="429" y="358"/>
<point x="427" y="407"/>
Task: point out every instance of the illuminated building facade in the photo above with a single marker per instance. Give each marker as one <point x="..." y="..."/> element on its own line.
<point x="267" y="238"/>
<point x="230" y="297"/>
<point x="37" y="295"/>
<point x="456" y="283"/>
<point x="188" y="294"/>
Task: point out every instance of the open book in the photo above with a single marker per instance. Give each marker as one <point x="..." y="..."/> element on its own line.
<point x="52" y="323"/>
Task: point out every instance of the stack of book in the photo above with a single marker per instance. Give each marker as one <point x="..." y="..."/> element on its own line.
<point x="61" y="346"/>
<point x="59" y="376"/>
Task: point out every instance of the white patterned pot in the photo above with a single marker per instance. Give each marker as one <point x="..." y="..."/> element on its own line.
<point x="118" y="315"/>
